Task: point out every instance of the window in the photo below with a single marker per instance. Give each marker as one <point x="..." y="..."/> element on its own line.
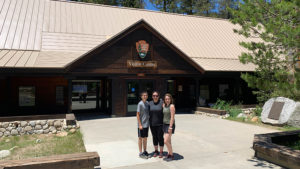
<point x="26" y="96"/>
<point x="60" y="95"/>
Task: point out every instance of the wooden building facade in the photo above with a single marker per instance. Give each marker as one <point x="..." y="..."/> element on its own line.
<point x="109" y="79"/>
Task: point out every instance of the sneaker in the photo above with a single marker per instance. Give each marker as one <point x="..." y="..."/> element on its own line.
<point x="169" y="158"/>
<point x="161" y="155"/>
<point x="155" y="154"/>
<point x="146" y="154"/>
<point x="141" y="155"/>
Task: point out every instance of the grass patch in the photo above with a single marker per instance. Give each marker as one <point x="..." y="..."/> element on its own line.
<point x="28" y="147"/>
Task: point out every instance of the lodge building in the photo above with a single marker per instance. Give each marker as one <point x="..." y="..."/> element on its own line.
<point x="62" y="57"/>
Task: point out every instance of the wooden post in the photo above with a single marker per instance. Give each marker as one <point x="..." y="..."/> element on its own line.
<point x="197" y="91"/>
<point x="69" y="96"/>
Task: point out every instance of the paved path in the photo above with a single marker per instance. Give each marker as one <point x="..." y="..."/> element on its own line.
<point x="199" y="142"/>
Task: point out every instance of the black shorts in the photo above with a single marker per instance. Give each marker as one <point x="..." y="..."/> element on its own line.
<point x="166" y="128"/>
<point x="143" y="133"/>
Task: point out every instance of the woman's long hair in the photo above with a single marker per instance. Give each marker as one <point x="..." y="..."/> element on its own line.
<point x="170" y="96"/>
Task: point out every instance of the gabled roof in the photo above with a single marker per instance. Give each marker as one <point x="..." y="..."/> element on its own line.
<point x="53" y="34"/>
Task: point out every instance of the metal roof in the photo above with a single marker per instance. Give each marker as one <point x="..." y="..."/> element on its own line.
<point x="47" y="33"/>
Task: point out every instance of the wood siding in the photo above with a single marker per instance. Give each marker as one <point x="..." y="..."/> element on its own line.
<point x="113" y="60"/>
<point x="45" y="95"/>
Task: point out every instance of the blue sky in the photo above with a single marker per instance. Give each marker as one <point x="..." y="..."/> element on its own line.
<point x="149" y="6"/>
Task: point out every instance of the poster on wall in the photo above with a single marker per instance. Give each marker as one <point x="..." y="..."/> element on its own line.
<point x="26" y="96"/>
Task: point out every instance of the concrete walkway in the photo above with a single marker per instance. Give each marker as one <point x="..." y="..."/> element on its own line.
<point x="199" y="142"/>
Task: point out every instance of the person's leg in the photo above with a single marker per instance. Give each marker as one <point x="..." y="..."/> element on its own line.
<point x="170" y="145"/>
<point x="154" y="137"/>
<point x="145" y="143"/>
<point x="166" y="141"/>
<point x="160" y="135"/>
<point x="140" y="144"/>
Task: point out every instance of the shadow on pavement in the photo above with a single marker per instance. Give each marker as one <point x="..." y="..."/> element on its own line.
<point x="262" y="163"/>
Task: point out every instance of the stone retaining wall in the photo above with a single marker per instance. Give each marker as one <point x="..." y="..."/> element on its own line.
<point x="15" y="128"/>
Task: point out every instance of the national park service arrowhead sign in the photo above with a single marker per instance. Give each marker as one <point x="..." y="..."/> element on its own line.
<point x="142" y="48"/>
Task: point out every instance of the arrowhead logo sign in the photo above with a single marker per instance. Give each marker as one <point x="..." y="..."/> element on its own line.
<point x="142" y="48"/>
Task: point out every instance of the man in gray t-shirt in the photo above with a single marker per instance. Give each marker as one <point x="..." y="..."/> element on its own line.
<point x="143" y="116"/>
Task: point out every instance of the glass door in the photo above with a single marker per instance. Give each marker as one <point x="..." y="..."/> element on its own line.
<point x="134" y="88"/>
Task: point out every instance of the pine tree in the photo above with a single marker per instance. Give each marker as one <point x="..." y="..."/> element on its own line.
<point x="276" y="23"/>
<point x="223" y="6"/>
<point x="132" y="3"/>
<point x="166" y="5"/>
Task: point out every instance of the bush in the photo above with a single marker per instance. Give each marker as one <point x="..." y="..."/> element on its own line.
<point x="222" y="105"/>
<point x="257" y="111"/>
<point x="234" y="111"/>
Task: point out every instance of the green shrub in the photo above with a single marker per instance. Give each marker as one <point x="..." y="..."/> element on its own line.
<point x="222" y="105"/>
<point x="257" y="111"/>
<point x="234" y="111"/>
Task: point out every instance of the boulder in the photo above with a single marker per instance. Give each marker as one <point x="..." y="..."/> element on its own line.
<point x="50" y="122"/>
<point x="28" y="128"/>
<point x="38" y="127"/>
<point x="5" y="124"/>
<point x="39" y="131"/>
<point x="14" y="132"/>
<point x="1" y="134"/>
<point x="295" y="117"/>
<point x="46" y="131"/>
<point x="6" y="133"/>
<point x="241" y="115"/>
<point x="52" y="128"/>
<point x="57" y="123"/>
<point x="254" y="119"/>
<point x="43" y="122"/>
<point x="287" y="109"/>
<point x="38" y="122"/>
<point x="23" y="123"/>
<point x="62" y="134"/>
<point x="4" y="153"/>
<point x="32" y="123"/>
<point x="2" y="130"/>
<point x="45" y="126"/>
<point x="72" y="131"/>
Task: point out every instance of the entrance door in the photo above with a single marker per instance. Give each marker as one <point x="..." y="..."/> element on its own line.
<point x="134" y="88"/>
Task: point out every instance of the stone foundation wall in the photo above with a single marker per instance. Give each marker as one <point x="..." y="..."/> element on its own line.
<point x="53" y="126"/>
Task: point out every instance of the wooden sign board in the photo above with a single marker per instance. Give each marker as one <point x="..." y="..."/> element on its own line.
<point x="276" y="110"/>
<point x="141" y="64"/>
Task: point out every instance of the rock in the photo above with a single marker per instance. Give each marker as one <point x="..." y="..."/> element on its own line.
<point x="9" y="128"/>
<point x="6" y="133"/>
<point x="2" y="130"/>
<point x="72" y="131"/>
<point x="295" y="117"/>
<point x="14" y="132"/>
<point x="77" y="126"/>
<point x="241" y="115"/>
<point x="50" y="122"/>
<point x="5" y="124"/>
<point x="62" y="134"/>
<point x="287" y="110"/>
<point x="38" y="140"/>
<point x="57" y="123"/>
<point x="38" y="127"/>
<point x="32" y="123"/>
<point x="65" y="127"/>
<point x="254" y="119"/>
<point x="69" y="126"/>
<point x="43" y="122"/>
<point x="46" y="131"/>
<point x="20" y="129"/>
<point x="39" y="131"/>
<point x="4" y="153"/>
<point x="1" y="134"/>
<point x="54" y="132"/>
<point x="38" y="122"/>
<point x="23" y="123"/>
<point x="52" y="128"/>
<point x="45" y="126"/>
<point x="28" y="128"/>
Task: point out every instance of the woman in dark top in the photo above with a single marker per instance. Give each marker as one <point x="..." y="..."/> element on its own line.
<point x="156" y="123"/>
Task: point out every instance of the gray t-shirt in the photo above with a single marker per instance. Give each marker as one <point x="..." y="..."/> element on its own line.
<point x="143" y="108"/>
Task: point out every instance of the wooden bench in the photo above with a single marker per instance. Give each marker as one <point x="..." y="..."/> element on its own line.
<point x="87" y="160"/>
